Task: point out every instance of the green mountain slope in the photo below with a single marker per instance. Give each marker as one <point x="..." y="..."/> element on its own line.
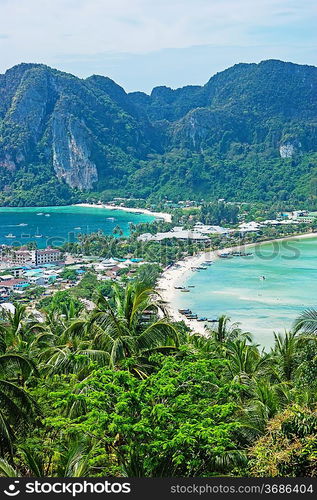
<point x="250" y="133"/>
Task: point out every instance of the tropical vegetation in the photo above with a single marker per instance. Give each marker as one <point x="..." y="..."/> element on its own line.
<point x="124" y="391"/>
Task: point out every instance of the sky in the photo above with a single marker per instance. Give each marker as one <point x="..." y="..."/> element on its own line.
<point x="145" y="43"/>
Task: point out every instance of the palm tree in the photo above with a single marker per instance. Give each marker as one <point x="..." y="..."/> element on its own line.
<point x="71" y="461"/>
<point x="306" y="322"/>
<point x="244" y="359"/>
<point x="285" y="353"/>
<point x="262" y="404"/>
<point x="117" y="230"/>
<point x="132" y="327"/>
<point x="17" y="328"/>
<point x="226" y="332"/>
<point x="17" y="408"/>
<point x="70" y="352"/>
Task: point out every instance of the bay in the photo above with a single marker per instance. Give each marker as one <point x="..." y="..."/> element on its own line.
<point x="57" y="225"/>
<point x="236" y="287"/>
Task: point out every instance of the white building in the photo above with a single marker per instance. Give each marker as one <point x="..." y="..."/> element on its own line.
<point x="247" y="227"/>
<point x="48" y="256"/>
<point x="177" y="233"/>
<point x="207" y="229"/>
<point x="24" y="256"/>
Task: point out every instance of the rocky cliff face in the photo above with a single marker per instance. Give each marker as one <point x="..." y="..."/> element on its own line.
<point x="93" y="135"/>
<point x="81" y="128"/>
<point x="71" y="152"/>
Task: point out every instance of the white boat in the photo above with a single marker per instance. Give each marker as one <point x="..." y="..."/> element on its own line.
<point x="47" y="215"/>
<point x="40" y="213"/>
<point x="110" y="218"/>
<point x="78" y="228"/>
<point x="10" y="235"/>
<point x="37" y="234"/>
<point x="23" y="224"/>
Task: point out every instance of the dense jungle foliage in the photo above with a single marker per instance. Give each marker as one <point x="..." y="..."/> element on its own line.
<point x="123" y="391"/>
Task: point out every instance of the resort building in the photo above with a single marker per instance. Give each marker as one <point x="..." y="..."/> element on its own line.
<point x="249" y="227"/>
<point x="177" y="233"/>
<point x="47" y="256"/>
<point x="25" y="257"/>
<point x="207" y="229"/>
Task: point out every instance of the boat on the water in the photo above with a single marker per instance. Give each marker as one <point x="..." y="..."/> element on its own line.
<point x="10" y="236"/>
<point x="37" y="234"/>
<point x="184" y="290"/>
<point x="241" y="254"/>
<point x="40" y="213"/>
<point x="23" y="224"/>
<point x="77" y="228"/>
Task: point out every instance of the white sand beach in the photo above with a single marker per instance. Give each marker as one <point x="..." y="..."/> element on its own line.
<point x="159" y="215"/>
<point x="177" y="274"/>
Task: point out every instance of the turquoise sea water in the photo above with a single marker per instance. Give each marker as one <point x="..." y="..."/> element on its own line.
<point x="56" y="225"/>
<point x="233" y="287"/>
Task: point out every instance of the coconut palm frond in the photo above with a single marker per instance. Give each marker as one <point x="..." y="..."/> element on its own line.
<point x="6" y="470"/>
<point x="306" y="322"/>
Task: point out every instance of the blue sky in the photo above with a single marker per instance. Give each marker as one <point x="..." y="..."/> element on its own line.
<point x="144" y="43"/>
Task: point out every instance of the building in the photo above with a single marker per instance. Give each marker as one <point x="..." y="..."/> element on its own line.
<point x="207" y="229"/>
<point x="177" y="233"/>
<point x="24" y="256"/>
<point x="17" y="271"/>
<point x="249" y="227"/>
<point x="13" y="284"/>
<point x="47" y="256"/>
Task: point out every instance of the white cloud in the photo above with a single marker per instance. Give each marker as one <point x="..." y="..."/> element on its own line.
<point x="49" y="31"/>
<point x="138" y="25"/>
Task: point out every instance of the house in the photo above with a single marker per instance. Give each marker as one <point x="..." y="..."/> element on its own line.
<point x="13" y="284"/>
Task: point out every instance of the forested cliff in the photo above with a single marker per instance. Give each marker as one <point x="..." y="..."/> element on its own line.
<point x="249" y="134"/>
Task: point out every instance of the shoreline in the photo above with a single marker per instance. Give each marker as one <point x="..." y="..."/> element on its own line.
<point x="180" y="270"/>
<point x="159" y="215"/>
